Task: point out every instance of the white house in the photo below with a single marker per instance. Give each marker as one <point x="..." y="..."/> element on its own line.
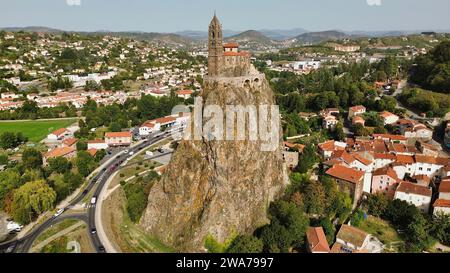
<point x="330" y="122"/>
<point x="441" y="206"/>
<point x="148" y="127"/>
<point x="389" y="118"/>
<point x="414" y="194"/>
<point x="185" y="94"/>
<point x="97" y="144"/>
<point x="58" y="134"/>
<point x="355" y="111"/>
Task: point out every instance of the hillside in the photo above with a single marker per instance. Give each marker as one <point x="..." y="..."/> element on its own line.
<point x="322" y="36"/>
<point x="250" y="36"/>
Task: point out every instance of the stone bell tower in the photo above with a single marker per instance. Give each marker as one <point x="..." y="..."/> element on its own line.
<point x="215" y="47"/>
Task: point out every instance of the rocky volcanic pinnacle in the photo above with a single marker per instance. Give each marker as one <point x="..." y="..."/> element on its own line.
<point x="216" y="188"/>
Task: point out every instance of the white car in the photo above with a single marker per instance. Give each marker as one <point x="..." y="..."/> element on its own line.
<point x="12" y="226"/>
<point x="59" y="212"/>
<point x="126" y="151"/>
<point x="93" y="200"/>
<point x="131" y="153"/>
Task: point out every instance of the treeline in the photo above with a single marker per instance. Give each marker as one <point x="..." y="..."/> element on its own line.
<point x="431" y="103"/>
<point x="137" y="192"/>
<point x="432" y="70"/>
<point x="306" y="203"/>
<point x="132" y="113"/>
<point x="420" y="231"/>
<point x="10" y="140"/>
<point x="28" y="188"/>
<point x="30" y="110"/>
<point x="343" y="86"/>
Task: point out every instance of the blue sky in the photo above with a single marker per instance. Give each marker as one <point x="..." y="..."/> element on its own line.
<point x="177" y="15"/>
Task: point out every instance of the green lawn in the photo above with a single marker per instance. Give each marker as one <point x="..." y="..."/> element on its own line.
<point x="384" y="232"/>
<point x="35" y="130"/>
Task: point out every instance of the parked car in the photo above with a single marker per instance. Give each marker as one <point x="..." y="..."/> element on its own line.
<point x="59" y="212"/>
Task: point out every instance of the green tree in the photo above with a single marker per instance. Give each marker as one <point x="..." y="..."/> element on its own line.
<point x="357" y="218"/>
<point x="8" y="140"/>
<point x="377" y="204"/>
<point x="32" y="158"/>
<point x="85" y="163"/>
<point x="246" y="244"/>
<point x="32" y="199"/>
<point x="60" y="165"/>
<point x="314" y="198"/>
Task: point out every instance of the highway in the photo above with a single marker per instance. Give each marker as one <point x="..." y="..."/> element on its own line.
<point x="93" y="189"/>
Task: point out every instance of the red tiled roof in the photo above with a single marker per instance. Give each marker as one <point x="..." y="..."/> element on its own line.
<point x="96" y="141"/>
<point x="441" y="203"/>
<point x="386" y="171"/>
<point x="185" y="92"/>
<point x="230" y="45"/>
<point x="384" y="156"/>
<point x="117" y="134"/>
<point x="164" y="120"/>
<point x="387" y="114"/>
<point x="70" y="141"/>
<point x="59" y="152"/>
<point x="92" y="151"/>
<point x="444" y="186"/>
<point x="317" y="240"/>
<point x="230" y="53"/>
<point x="59" y="132"/>
<point x="391" y="137"/>
<point x="346" y="174"/>
<point x="407" y="187"/>
<point x="358" y="108"/>
<point x="405" y="159"/>
<point x="363" y="160"/>
<point x="432" y="160"/>
<point x="300" y="147"/>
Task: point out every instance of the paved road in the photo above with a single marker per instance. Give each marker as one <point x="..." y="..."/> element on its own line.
<point x="95" y="187"/>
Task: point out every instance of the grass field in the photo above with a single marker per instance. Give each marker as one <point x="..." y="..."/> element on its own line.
<point x="35" y="130"/>
<point x="384" y="232"/>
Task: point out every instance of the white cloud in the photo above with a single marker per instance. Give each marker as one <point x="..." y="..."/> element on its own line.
<point x="374" y="2"/>
<point x="73" y="2"/>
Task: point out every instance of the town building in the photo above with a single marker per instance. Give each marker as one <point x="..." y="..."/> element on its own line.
<point x="98" y="144"/>
<point x="389" y="118"/>
<point x="114" y="139"/>
<point x="66" y="152"/>
<point x="316" y="240"/>
<point x="385" y="181"/>
<point x="414" y="194"/>
<point x="59" y="134"/>
<point x="349" y="181"/>
<point x="291" y="159"/>
<point x="351" y="240"/>
<point x="356" y="111"/>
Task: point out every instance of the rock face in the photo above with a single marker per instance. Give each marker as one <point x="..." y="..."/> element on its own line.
<point x="219" y="187"/>
<point x="216" y="188"/>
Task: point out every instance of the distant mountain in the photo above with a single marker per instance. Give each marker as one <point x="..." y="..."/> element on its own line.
<point x="203" y="35"/>
<point x="282" y="34"/>
<point x="32" y="29"/>
<point x="166" y="38"/>
<point x="321" y="36"/>
<point x="274" y="34"/>
<point x="250" y="36"/>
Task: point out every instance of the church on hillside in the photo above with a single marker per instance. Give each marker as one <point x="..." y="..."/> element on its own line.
<point x="225" y="60"/>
